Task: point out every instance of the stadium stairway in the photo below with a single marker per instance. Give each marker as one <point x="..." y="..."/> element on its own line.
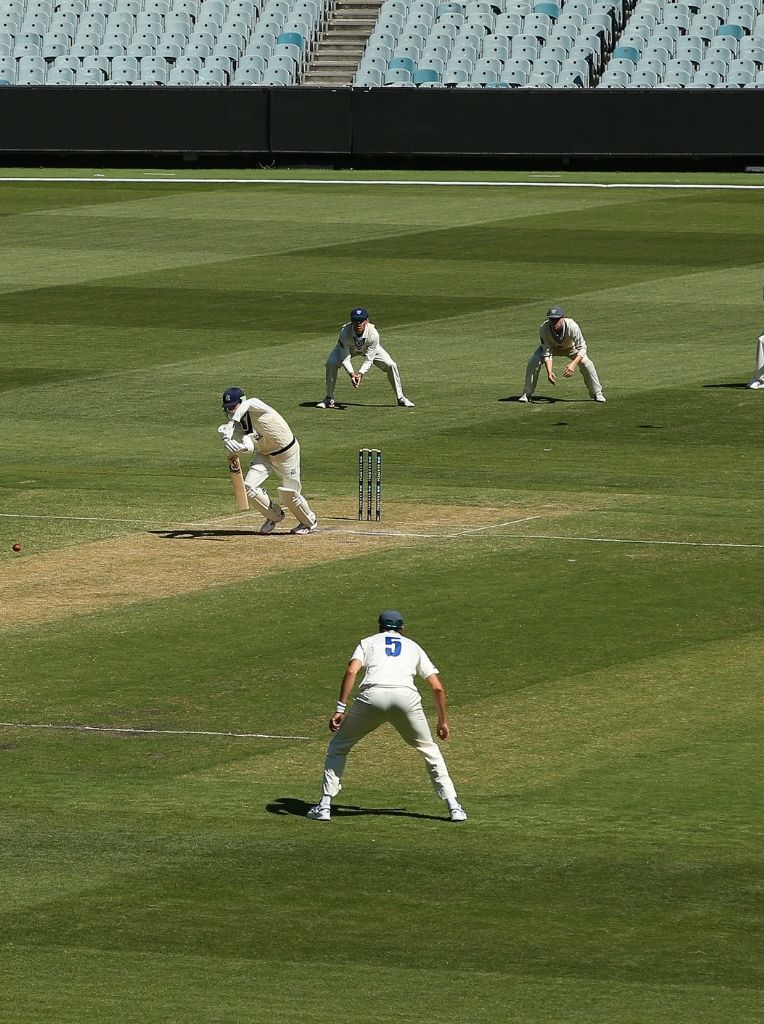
<point x="338" y="51"/>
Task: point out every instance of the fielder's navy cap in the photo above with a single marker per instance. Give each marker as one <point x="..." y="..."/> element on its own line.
<point x="555" y="313"/>
<point x="359" y="314"/>
<point x="390" y="619"/>
<point x="232" y="397"/>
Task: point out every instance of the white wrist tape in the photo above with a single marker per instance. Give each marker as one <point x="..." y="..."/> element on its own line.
<point x="340" y="709"/>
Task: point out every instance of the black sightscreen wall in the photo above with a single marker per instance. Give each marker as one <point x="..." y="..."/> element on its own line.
<point x="445" y="124"/>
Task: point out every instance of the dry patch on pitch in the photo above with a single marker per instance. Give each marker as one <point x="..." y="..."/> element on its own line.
<point x="105" y="574"/>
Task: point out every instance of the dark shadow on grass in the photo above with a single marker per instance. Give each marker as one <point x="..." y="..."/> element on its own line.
<point x="542" y="400"/>
<point x="735" y="387"/>
<point x="215" y="534"/>
<point x="372" y="405"/>
<point x="337" y="407"/>
<point x="351" y="405"/>
<point x="299" y="808"/>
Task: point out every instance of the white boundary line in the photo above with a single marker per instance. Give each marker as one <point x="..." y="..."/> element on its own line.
<point x="149" y="732"/>
<point x="393" y="182"/>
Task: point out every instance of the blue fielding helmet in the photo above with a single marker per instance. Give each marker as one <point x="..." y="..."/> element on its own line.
<point x="390" y="620"/>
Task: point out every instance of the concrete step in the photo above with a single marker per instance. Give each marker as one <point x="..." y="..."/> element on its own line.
<point x="333" y="81"/>
<point x="338" y="52"/>
<point x="342" y="52"/>
<point x="335" y="66"/>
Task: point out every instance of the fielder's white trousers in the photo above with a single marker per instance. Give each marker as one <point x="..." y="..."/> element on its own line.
<point x="402" y="708"/>
<point x="759" y="373"/>
<point x="384" y="361"/>
<point x="586" y="366"/>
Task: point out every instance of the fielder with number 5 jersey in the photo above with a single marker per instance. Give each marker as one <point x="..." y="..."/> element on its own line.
<point x="387" y="693"/>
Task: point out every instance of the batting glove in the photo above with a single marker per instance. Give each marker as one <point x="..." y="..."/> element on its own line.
<point x="226" y="430"/>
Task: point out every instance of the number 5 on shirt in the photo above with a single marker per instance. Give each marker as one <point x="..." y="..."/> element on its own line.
<point x="393" y="646"/>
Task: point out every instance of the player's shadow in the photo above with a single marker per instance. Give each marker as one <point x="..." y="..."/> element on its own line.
<point x="215" y="534"/>
<point x="540" y="400"/>
<point x="735" y="387"/>
<point x="351" y="405"/>
<point x="299" y="808"/>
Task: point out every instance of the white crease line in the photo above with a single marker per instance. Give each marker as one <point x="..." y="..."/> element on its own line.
<point x="157" y="732"/>
<point x="495" y="526"/>
<point x="237" y="517"/>
<point x="424" y="536"/>
<point x="624" y="540"/>
<point x="233" y="517"/>
<point x="377" y="182"/>
<point x="77" y="519"/>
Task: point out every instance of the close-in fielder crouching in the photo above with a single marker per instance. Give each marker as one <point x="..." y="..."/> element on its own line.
<point x="266" y="434"/>
<point x="387" y="694"/>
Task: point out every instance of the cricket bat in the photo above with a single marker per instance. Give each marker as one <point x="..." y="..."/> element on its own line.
<point x="237" y="482"/>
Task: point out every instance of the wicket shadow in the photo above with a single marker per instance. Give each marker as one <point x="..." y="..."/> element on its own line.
<point x="735" y="387"/>
<point x="299" y="808"/>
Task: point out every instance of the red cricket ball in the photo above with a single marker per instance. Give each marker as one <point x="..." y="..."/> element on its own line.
<point x="17" y="547"/>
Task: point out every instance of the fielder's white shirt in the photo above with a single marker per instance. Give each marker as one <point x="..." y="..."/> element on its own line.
<point x="270" y="430"/>
<point x="569" y="343"/>
<point x="364" y="344"/>
<point x="392" y="660"/>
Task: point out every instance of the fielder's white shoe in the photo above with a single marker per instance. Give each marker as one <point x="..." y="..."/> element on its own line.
<point x="406" y="403"/>
<point x="523" y="398"/>
<point x="302" y="528"/>
<point x="319" y="813"/>
<point x="328" y="403"/>
<point x="270" y="524"/>
<point x="457" y="813"/>
<point x="755" y="384"/>
<point x="600" y="398"/>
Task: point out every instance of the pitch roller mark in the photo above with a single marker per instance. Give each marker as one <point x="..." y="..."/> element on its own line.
<point x="147" y="732"/>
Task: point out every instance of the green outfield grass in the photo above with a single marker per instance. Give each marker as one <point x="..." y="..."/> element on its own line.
<point x="587" y="577"/>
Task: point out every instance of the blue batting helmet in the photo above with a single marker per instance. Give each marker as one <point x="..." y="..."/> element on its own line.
<point x="232" y="397"/>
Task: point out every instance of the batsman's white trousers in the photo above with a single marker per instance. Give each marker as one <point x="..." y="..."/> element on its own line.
<point x="287" y="466"/>
<point x="759" y="374"/>
<point x="384" y="361"/>
<point x="402" y="708"/>
<point x="586" y="366"/>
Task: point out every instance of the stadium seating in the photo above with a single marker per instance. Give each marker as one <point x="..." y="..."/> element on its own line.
<point x="415" y="43"/>
<point x="149" y="42"/>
